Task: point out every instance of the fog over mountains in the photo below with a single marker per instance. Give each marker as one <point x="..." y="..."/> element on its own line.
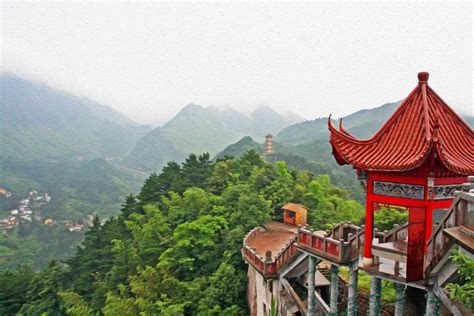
<point x="38" y="122"/>
<point x="196" y="129"/>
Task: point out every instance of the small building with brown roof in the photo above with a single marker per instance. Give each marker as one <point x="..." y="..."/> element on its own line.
<point x="295" y="214"/>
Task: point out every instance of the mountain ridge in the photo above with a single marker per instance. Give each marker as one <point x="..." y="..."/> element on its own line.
<point x="40" y="122"/>
<point x="197" y="129"/>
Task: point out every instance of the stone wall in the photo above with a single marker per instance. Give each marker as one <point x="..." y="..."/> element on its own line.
<point x="251" y="290"/>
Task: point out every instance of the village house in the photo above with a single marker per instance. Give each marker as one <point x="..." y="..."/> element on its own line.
<point x="49" y="221"/>
<point x="6" y="193"/>
<point x="75" y="227"/>
<point x="26" y="217"/>
<point x="8" y="222"/>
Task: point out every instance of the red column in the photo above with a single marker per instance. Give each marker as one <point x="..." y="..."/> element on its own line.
<point x="416" y="243"/>
<point x="369" y="229"/>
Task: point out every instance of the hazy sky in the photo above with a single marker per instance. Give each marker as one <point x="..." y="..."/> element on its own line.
<point x="148" y="60"/>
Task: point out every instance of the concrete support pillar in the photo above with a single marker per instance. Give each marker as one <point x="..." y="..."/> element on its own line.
<point x="334" y="289"/>
<point x="375" y="295"/>
<point x="352" y="293"/>
<point x="432" y="304"/>
<point x="399" y="299"/>
<point x="311" y="286"/>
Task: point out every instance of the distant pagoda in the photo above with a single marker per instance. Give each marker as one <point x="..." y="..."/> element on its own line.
<point x="268" y="145"/>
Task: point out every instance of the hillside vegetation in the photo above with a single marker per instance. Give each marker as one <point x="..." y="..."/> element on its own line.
<point x="175" y="247"/>
<point x="55" y="142"/>
<point x="77" y="188"/>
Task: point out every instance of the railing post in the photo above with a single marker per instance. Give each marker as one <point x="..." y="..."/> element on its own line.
<point x="357" y="238"/>
<point x="311" y="286"/>
<point x="341" y="249"/>
<point x="334" y="289"/>
<point x="350" y="244"/>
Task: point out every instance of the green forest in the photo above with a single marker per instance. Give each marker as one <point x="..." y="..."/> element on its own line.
<point x="35" y="245"/>
<point x="175" y="246"/>
<point x="78" y="188"/>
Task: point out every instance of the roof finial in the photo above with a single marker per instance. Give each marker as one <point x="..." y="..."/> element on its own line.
<point x="423" y="77"/>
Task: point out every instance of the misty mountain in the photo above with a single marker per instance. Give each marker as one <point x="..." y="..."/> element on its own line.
<point x="237" y="149"/>
<point x="38" y="122"/>
<point x="196" y="129"/>
<point x="363" y="124"/>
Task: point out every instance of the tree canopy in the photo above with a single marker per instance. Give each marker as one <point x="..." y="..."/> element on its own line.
<point x="175" y="247"/>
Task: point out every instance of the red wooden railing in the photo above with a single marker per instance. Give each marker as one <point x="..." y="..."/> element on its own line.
<point x="396" y="233"/>
<point x="264" y="265"/>
<point x="341" y="244"/>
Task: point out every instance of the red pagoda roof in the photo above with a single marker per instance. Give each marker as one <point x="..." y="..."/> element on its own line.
<point x="421" y="124"/>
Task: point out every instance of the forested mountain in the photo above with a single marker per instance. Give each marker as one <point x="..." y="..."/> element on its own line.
<point x="239" y="148"/>
<point x="54" y="143"/>
<point x="197" y="129"/>
<point x="77" y="188"/>
<point x="38" y="122"/>
<point x="49" y="141"/>
<point x="316" y="161"/>
<point x="362" y="123"/>
<point x="175" y="247"/>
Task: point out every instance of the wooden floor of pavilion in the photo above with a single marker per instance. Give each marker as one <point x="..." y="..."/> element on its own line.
<point x="274" y="238"/>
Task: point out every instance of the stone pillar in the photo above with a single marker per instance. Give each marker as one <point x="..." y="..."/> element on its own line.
<point x="334" y="289"/>
<point x="375" y="294"/>
<point x="352" y="295"/>
<point x="432" y="304"/>
<point x="399" y="299"/>
<point x="311" y="286"/>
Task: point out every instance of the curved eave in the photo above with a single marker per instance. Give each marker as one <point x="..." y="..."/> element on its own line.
<point x="412" y="161"/>
<point x="448" y="163"/>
